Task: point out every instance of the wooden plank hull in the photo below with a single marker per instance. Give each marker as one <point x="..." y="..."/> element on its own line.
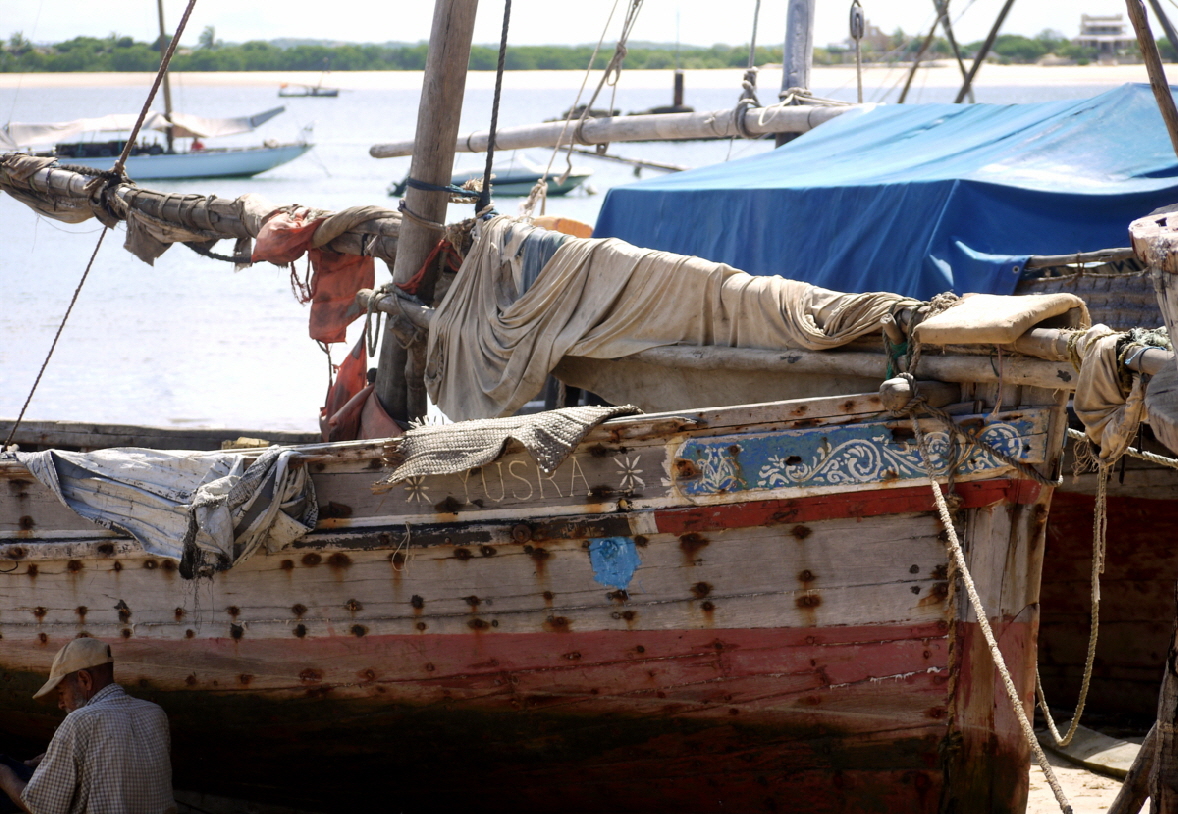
<point x="790" y="638"/>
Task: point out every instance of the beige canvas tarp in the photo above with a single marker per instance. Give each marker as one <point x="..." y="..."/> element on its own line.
<point x="491" y="346"/>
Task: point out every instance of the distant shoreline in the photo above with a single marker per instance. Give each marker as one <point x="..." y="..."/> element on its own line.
<point x="936" y="75"/>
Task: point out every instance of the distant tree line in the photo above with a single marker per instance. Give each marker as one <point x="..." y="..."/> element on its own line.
<point x="120" y="53"/>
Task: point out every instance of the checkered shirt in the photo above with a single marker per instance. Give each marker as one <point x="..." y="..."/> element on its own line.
<point x="110" y="756"/>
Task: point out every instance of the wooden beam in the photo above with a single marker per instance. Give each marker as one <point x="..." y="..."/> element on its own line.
<point x="967" y="86"/>
<point x="647" y="127"/>
<point x="1153" y="64"/>
<point x="399" y="383"/>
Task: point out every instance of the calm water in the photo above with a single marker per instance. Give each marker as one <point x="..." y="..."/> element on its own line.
<point x="190" y="342"/>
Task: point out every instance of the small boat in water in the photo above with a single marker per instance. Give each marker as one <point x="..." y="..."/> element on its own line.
<point x="291" y="90"/>
<point x="513" y="178"/>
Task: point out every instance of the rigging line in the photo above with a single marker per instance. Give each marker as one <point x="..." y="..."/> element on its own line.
<point x="584" y="81"/>
<point x="21" y="77"/>
<point x="485" y="193"/>
<point x="60" y="328"/>
<point x="159" y="78"/>
<point x="118" y="171"/>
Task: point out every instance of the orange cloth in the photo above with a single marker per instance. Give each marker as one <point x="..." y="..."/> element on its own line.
<point x="335" y="278"/>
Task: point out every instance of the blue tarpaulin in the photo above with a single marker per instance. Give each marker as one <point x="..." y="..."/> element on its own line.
<point x="917" y="199"/>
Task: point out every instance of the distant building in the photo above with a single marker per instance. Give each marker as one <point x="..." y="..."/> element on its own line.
<point x="1105" y="34"/>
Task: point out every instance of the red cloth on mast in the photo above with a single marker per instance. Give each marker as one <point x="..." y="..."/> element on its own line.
<point x="335" y="278"/>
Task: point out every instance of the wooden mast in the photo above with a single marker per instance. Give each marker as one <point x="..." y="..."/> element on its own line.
<point x="167" y="85"/>
<point x="399" y="384"/>
<point x="798" y="54"/>
<point x="1153" y="65"/>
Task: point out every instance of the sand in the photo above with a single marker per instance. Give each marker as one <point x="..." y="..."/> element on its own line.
<point x="1089" y="793"/>
<point x="933" y="75"/>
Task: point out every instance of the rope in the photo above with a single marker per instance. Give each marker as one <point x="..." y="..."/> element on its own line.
<point x="453" y="189"/>
<point x="1133" y="453"/>
<point x="1099" y="547"/>
<point x="418" y="219"/>
<point x="114" y="175"/>
<point x="484" y="198"/>
<point x="237" y="259"/>
<point x="954" y="546"/>
<point x="539" y="193"/>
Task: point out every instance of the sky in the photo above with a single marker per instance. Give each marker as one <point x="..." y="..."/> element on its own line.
<point x="534" y="22"/>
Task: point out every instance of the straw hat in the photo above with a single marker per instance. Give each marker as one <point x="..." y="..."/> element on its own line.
<point x="77" y="655"/>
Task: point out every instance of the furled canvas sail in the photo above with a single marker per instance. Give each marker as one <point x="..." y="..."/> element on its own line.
<point x="15" y="135"/>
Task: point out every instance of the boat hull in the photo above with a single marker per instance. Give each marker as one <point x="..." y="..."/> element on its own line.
<point x="211" y="163"/>
<point x="797" y="647"/>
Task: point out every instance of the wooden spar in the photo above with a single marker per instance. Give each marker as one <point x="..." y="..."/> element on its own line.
<point x="637" y="163"/>
<point x="1040" y="261"/>
<point x="1153" y="64"/>
<point x="1167" y="26"/>
<point x="967" y="86"/>
<point x="952" y="38"/>
<point x="167" y="85"/>
<point x="221" y="219"/>
<point x="924" y="45"/>
<point x="648" y="127"/>
<point x="1046" y="347"/>
<point x="399" y="383"/>
<point x="1135" y="790"/>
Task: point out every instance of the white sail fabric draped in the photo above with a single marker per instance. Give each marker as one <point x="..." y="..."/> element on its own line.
<point x="16" y="135"/>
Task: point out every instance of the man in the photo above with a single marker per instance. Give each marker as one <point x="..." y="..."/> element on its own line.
<point x="111" y="753"/>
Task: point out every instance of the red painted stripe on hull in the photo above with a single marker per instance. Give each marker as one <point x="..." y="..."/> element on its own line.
<point x="975" y="495"/>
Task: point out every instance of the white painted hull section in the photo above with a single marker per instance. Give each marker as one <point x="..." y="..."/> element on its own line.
<point x="204" y="164"/>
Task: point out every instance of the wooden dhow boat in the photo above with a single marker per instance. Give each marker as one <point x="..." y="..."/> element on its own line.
<point x="759" y="607"/>
<point x="702" y="608"/>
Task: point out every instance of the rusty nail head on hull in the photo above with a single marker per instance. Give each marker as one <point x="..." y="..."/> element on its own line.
<point x="339" y="560"/>
<point x="300" y="631"/>
<point x="32" y="569"/>
<point x="74" y="566"/>
<point x="422" y="626"/>
<point x="81" y="610"/>
<point x="521" y="532"/>
<point x="462" y="554"/>
<point x="150" y="564"/>
<point x="473" y="601"/>
<point x="233" y="611"/>
<point x="178" y="613"/>
<point x="353" y="605"/>
<point x="287" y="565"/>
<point x="640" y="540"/>
<point x="236" y="631"/>
<point x="312" y="559"/>
<point x="126" y="633"/>
<point x="106" y="549"/>
<point x="43" y="638"/>
<point x="417" y="602"/>
<point x="487" y="551"/>
<point x="701" y="589"/>
<point x="188" y="634"/>
<point x="116" y="566"/>
<point x="359" y="630"/>
<point x="298" y="610"/>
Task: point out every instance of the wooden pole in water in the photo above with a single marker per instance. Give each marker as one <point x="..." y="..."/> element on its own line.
<point x="399" y="383"/>
<point x="1153" y="64"/>
<point x="170" y="134"/>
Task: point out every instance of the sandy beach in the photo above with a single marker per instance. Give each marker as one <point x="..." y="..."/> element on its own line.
<point x="932" y="75"/>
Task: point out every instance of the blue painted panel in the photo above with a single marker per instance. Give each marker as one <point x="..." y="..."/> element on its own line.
<point x="614" y="560"/>
<point x="835" y="456"/>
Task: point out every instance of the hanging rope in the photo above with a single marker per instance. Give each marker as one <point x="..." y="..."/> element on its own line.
<point x="748" y="95"/>
<point x="539" y="193"/>
<point x="955" y="550"/>
<point x="485" y="194"/>
<point x="116" y="174"/>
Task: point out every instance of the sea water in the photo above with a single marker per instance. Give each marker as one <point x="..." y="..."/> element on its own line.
<point x="190" y="342"/>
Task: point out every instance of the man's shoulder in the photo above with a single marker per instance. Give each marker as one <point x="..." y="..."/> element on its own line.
<point x="112" y="702"/>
